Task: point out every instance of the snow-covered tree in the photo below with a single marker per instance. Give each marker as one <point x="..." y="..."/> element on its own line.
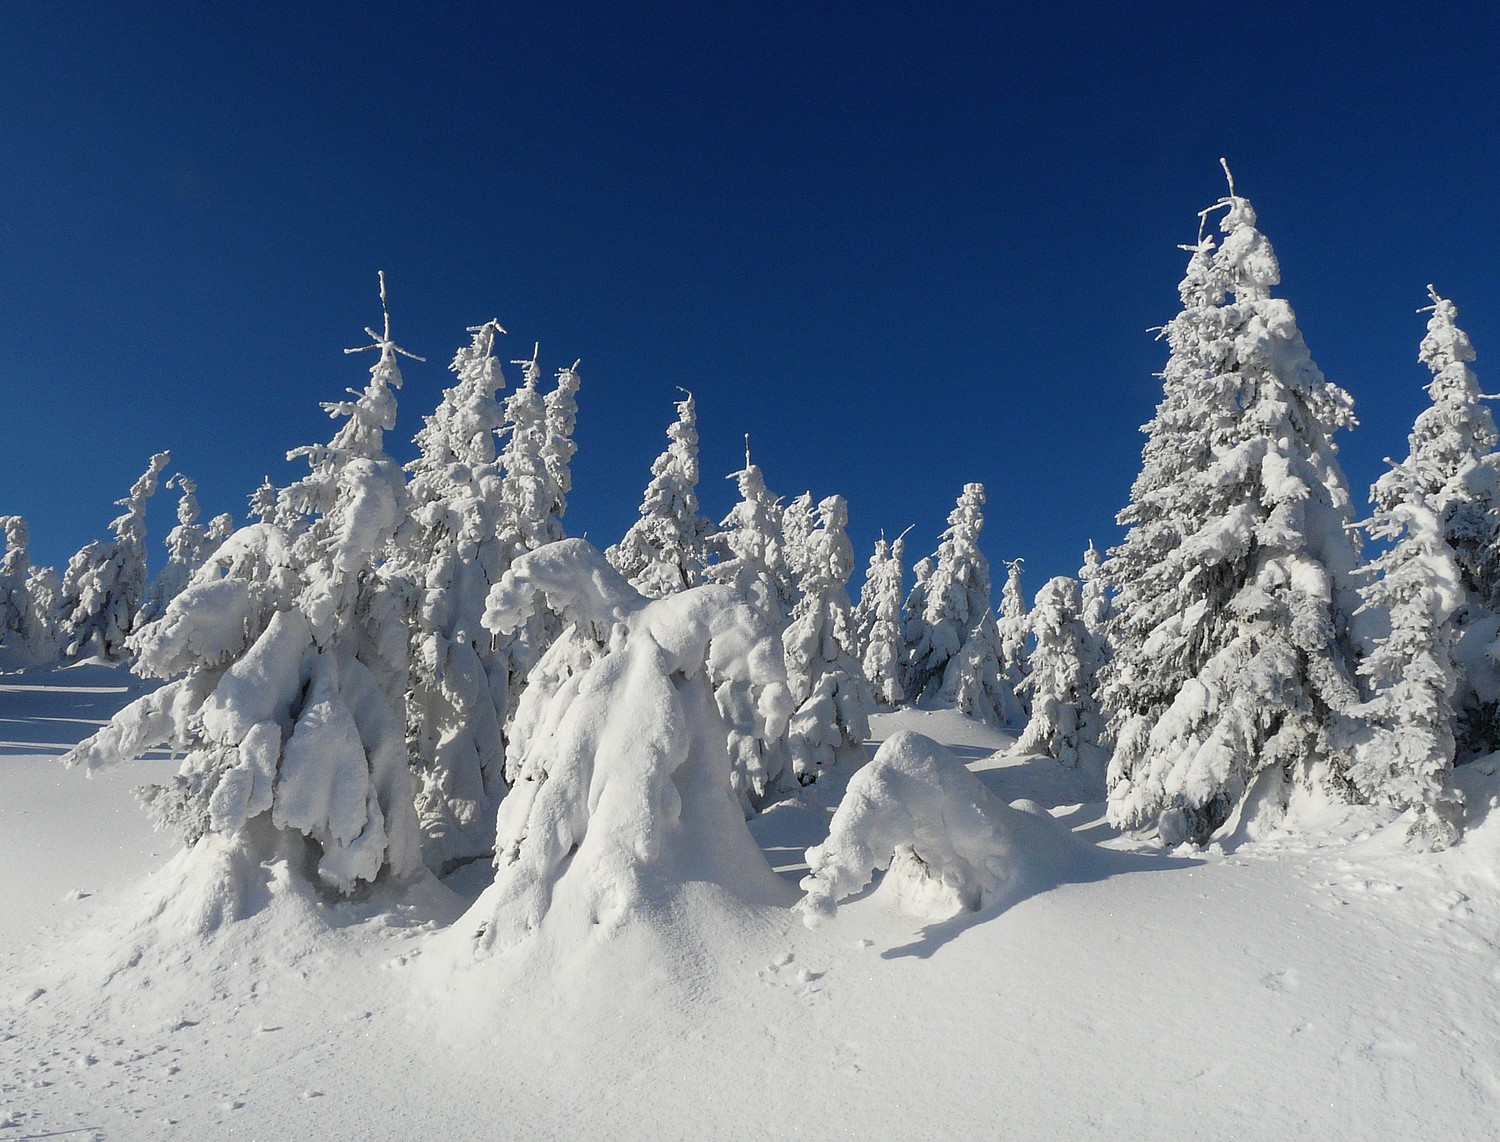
<point x="187" y="545"/>
<point x="1094" y="597"/>
<point x="749" y="548"/>
<point x="1404" y="741"/>
<point x="798" y="519"/>
<point x="1065" y="721"/>
<point x="1230" y="652"/>
<point x="44" y="590"/>
<point x="831" y="694"/>
<point x="664" y="550"/>
<point x="105" y="582"/>
<point x="561" y="406"/>
<point x="1452" y="469"/>
<point x="1014" y="625"/>
<point x="288" y="663"/>
<point x="877" y="621"/>
<point x="914" y="633"/>
<point x="954" y="658"/>
<point x="625" y="786"/>
<point x="28" y="635"/>
<point x="458" y="693"/>
<point x="529" y="486"/>
<point x="263" y="502"/>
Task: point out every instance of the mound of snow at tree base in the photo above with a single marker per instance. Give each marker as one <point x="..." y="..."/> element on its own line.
<point x="1334" y="987"/>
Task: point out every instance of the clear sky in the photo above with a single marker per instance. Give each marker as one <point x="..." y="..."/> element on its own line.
<point x="902" y="246"/>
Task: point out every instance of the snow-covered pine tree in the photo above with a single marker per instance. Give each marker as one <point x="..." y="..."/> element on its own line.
<point x="748" y="545"/>
<point x="877" y="621"/>
<point x="263" y="502"/>
<point x="1014" y="625"/>
<point x="44" y="589"/>
<point x="664" y="550"/>
<point x="914" y="633"/>
<point x="1065" y="721"/>
<point x="831" y="694"/>
<point x="25" y="637"/>
<point x="561" y="406"/>
<point x="1094" y="596"/>
<point x="105" y="582"/>
<point x="458" y="693"/>
<point x="798" y="519"/>
<point x="1230" y="653"/>
<point x="955" y="657"/>
<point x="187" y="545"/>
<point x="288" y="660"/>
<point x="1452" y="469"/>
<point x="1404" y="745"/>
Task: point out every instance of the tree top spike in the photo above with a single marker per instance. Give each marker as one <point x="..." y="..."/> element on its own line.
<point x="383" y="341"/>
<point x="1223" y="162"/>
<point x="747" y="450"/>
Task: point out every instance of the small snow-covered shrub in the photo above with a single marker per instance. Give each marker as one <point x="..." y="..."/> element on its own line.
<point x="916" y="810"/>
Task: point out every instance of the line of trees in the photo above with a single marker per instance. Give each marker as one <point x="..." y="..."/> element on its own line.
<point x="348" y="668"/>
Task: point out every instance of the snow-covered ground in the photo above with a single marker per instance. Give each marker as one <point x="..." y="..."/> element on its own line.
<point x="1324" y="984"/>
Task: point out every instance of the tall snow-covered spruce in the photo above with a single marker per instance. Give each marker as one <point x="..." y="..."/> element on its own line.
<point x="457" y="697"/>
<point x="956" y="653"/>
<point x="1452" y="470"/>
<point x="749" y="547"/>
<point x="827" y="682"/>
<point x="105" y="582"/>
<point x="877" y="621"/>
<point x="186" y="549"/>
<point x="1064" y="721"/>
<point x="664" y="550"/>
<point x="28" y="623"/>
<point x="1404" y="743"/>
<point x="1231" y="656"/>
<point x="287" y="659"/>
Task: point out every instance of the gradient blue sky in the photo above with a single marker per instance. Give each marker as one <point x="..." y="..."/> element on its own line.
<point x="904" y="247"/>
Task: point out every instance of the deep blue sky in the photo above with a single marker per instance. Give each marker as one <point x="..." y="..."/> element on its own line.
<point x="903" y="247"/>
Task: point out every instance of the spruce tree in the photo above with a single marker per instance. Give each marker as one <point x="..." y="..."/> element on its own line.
<point x="1451" y="468"/>
<point x="830" y="693"/>
<point x="458" y="690"/>
<point x="105" y="582"/>
<point x="25" y="637"/>
<point x="1064" y="721"/>
<point x="956" y="656"/>
<point x="1404" y="743"/>
<point x="664" y="550"/>
<point x="287" y="659"/>
<point x="187" y="545"/>
<point x="749" y="548"/>
<point x="1014" y="626"/>
<point x="1231" y="657"/>
<point x="877" y="621"/>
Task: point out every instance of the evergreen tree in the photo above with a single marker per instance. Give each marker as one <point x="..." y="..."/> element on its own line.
<point x="1064" y="720"/>
<point x="186" y="548"/>
<point x="955" y="657"/>
<point x="1232" y="583"/>
<point x="914" y="633"/>
<point x="561" y="405"/>
<point x="1451" y="468"/>
<point x="27" y="638"/>
<point x="458" y="691"/>
<point x="1404" y="747"/>
<point x="797" y="522"/>
<point x="288" y="659"/>
<point x="664" y="550"/>
<point x="830" y="693"/>
<point x="105" y="582"/>
<point x="1015" y="631"/>
<point x="749" y="548"/>
<point x="877" y="621"/>
<point x="1094" y="596"/>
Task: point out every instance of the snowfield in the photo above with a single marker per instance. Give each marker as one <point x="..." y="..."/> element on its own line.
<point x="1313" y="980"/>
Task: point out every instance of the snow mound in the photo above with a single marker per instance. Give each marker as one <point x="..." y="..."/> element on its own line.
<point x="624" y="791"/>
<point x="950" y="846"/>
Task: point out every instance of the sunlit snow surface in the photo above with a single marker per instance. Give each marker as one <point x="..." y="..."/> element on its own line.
<point x="1302" y="984"/>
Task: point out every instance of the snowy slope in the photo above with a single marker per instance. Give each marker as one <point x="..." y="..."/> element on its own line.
<point x="1285" y="988"/>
